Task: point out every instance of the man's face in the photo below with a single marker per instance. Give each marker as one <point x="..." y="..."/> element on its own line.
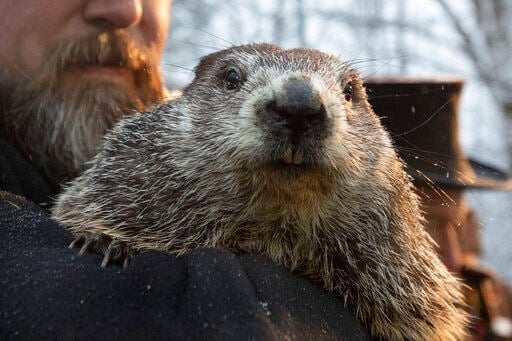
<point x="30" y="28"/>
<point x="70" y="69"/>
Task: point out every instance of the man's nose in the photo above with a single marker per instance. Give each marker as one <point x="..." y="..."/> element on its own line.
<point x="112" y="14"/>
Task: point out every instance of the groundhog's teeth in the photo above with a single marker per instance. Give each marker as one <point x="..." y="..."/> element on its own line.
<point x="297" y="158"/>
<point x="288" y="156"/>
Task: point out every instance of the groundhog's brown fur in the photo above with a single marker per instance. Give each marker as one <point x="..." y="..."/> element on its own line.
<point x="275" y="152"/>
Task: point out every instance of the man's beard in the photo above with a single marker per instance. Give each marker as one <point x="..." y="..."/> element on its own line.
<point x="58" y="117"/>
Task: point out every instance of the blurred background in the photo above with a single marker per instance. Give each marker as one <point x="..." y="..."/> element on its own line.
<point x="471" y="39"/>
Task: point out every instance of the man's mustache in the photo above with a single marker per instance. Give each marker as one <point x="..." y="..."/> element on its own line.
<point x="110" y="49"/>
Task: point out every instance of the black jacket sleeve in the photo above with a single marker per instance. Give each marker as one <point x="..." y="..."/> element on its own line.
<point x="47" y="291"/>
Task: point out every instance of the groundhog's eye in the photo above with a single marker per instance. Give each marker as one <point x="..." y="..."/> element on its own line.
<point x="233" y="79"/>
<point x="347" y="91"/>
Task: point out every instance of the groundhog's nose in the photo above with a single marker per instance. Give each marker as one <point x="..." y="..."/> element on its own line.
<point x="297" y="104"/>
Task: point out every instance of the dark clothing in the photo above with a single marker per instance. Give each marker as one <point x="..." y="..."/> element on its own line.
<point x="19" y="177"/>
<point x="49" y="292"/>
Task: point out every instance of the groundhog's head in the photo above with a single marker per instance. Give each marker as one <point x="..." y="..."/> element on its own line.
<point x="295" y="111"/>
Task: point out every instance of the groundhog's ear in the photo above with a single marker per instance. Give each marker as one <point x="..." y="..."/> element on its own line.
<point x="208" y="63"/>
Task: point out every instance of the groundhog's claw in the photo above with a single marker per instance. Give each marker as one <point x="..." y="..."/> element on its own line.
<point x="77" y="242"/>
<point x="114" y="251"/>
<point x="117" y="252"/>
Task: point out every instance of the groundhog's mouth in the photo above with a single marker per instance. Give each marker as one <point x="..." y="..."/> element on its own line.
<point x="292" y="160"/>
<point x="294" y="157"/>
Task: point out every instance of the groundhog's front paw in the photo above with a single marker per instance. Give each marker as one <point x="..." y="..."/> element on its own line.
<point x="114" y="251"/>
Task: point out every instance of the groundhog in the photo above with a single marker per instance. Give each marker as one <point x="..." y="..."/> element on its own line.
<point x="273" y="152"/>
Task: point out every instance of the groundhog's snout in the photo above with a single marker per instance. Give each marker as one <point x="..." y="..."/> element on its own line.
<point x="297" y="119"/>
<point x="297" y="105"/>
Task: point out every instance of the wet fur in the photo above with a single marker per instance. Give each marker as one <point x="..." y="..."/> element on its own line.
<point x="204" y="170"/>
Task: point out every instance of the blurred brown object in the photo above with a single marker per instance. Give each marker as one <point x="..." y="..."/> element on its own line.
<point x="469" y="238"/>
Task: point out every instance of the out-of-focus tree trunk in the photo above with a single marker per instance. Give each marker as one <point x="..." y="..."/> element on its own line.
<point x="402" y="56"/>
<point x="301" y="23"/>
<point x="278" y="22"/>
